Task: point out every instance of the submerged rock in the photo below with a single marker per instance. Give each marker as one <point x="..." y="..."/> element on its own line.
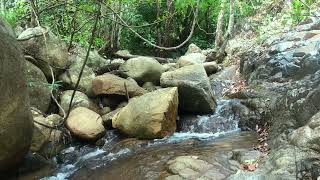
<point x="195" y="94"/>
<point x="143" y="69"/>
<point x="190" y="167"/>
<point x="85" y="124"/>
<point x="38" y="86"/>
<point x="109" y="84"/>
<point x="15" y="117"/>
<point x="150" y="116"/>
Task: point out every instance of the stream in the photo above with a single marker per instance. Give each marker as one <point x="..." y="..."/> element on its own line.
<point x="209" y="137"/>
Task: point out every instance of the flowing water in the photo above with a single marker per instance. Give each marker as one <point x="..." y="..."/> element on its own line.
<point x="211" y="137"/>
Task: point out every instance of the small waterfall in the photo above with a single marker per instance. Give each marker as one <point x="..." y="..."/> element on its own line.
<point x="225" y="119"/>
<point x="190" y="127"/>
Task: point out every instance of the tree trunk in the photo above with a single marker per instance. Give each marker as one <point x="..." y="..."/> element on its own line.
<point x="220" y="23"/>
<point x="34" y="21"/>
<point x="228" y="34"/>
<point x="167" y="39"/>
<point x="159" y="35"/>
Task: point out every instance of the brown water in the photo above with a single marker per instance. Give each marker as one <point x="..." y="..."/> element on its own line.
<point x="150" y="163"/>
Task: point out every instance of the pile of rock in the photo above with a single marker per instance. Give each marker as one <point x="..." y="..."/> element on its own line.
<point x="140" y="96"/>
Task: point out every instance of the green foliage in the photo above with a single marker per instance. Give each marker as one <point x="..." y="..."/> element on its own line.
<point x="15" y="13"/>
<point x="59" y="17"/>
<point x="300" y="10"/>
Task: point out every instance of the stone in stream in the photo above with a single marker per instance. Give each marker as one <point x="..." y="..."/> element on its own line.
<point x="143" y="69"/>
<point x="195" y="94"/>
<point x="85" y="124"/>
<point x="46" y="141"/>
<point x="150" y="116"/>
<point x="190" y="167"/>
<point x="109" y="84"/>
<point x="46" y="48"/>
<point x="15" y="117"/>
<point x="38" y="86"/>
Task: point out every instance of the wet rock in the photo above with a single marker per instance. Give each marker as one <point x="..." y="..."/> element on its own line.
<point x="70" y="78"/>
<point x="150" y="116"/>
<point x="195" y="94"/>
<point x="46" y="48"/>
<point x="191" y="59"/>
<point x="46" y="141"/>
<point x="80" y="100"/>
<point x="245" y="156"/>
<point x="39" y="91"/>
<point x="85" y="124"/>
<point x="190" y="167"/>
<point x="143" y="69"/>
<point x="15" y="117"/>
<point x="109" y="84"/>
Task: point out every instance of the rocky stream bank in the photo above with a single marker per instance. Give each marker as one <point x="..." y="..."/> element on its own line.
<point x="142" y="119"/>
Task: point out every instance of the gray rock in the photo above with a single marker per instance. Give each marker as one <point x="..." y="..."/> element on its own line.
<point x="191" y="59"/>
<point x="46" y="49"/>
<point x="192" y="48"/>
<point x="152" y="115"/>
<point x="195" y="94"/>
<point x="80" y="100"/>
<point x="15" y="117"/>
<point x="39" y="88"/>
<point x="85" y="124"/>
<point x="143" y="69"/>
<point x="70" y="78"/>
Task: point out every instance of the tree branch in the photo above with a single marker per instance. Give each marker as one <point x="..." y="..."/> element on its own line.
<point x="152" y="44"/>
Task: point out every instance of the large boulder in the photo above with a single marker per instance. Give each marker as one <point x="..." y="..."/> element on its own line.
<point x="190" y="167"/>
<point x="109" y="84"/>
<point x="46" y="137"/>
<point x="80" y="100"/>
<point x="143" y="69"/>
<point x="308" y="136"/>
<point x="85" y="124"/>
<point x="190" y="59"/>
<point x="46" y="48"/>
<point x="195" y="94"/>
<point x="15" y="117"/>
<point x="95" y="61"/>
<point x="150" y="116"/>
<point x="38" y="86"/>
